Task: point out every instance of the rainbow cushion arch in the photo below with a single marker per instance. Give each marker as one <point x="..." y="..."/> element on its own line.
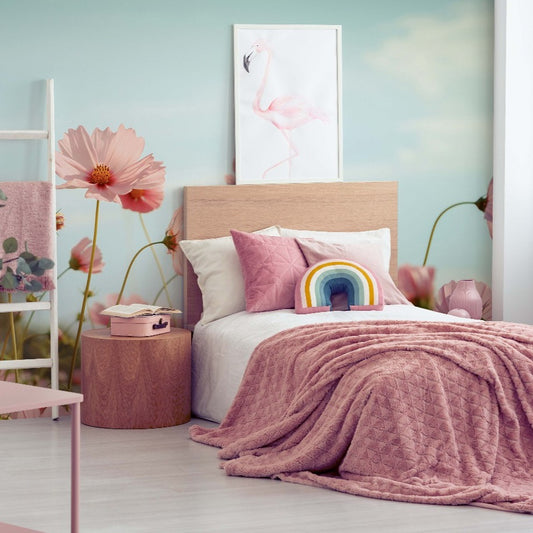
<point x="333" y="276"/>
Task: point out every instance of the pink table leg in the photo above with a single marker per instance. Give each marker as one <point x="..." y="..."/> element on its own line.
<point x="75" y="469"/>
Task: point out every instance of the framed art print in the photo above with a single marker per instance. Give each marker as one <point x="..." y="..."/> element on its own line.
<point x="287" y="103"/>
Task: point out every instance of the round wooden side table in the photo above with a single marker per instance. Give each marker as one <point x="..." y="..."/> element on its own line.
<point x="136" y="382"/>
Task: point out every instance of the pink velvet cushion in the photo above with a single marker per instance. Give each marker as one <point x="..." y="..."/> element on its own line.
<point x="364" y="253"/>
<point x="271" y="267"/>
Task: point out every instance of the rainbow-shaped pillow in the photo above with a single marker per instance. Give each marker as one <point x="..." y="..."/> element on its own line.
<point x="324" y="282"/>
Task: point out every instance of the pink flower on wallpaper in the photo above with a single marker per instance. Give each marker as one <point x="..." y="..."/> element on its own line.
<point x="148" y="193"/>
<point x="60" y="221"/>
<point x="416" y="283"/>
<point x="111" y="299"/>
<point x="172" y="238"/>
<point x="488" y="208"/>
<point x="80" y="257"/>
<point x="230" y="178"/>
<point x="106" y="163"/>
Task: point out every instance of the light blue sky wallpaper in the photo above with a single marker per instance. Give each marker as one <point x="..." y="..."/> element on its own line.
<point x="416" y="108"/>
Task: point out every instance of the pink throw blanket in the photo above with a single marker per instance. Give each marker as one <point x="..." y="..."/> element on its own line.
<point x="417" y="412"/>
<point x="26" y="214"/>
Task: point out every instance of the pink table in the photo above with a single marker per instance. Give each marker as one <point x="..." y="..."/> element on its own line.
<point x="15" y="397"/>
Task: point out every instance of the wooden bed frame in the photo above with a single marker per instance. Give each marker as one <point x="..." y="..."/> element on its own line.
<point x="212" y="211"/>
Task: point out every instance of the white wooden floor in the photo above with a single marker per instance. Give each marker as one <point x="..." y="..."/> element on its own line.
<point x="160" y="481"/>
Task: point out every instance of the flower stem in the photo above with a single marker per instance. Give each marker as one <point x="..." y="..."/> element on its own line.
<point x="63" y="273"/>
<point x="163" y="287"/>
<point x="435" y="225"/>
<point x="156" y="259"/>
<point x="4" y="344"/>
<point x="131" y="264"/>
<point x="13" y="337"/>
<point x="85" y="297"/>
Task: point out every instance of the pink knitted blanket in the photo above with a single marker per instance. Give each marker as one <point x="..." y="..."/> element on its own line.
<point x="27" y="232"/>
<point x="417" y="412"/>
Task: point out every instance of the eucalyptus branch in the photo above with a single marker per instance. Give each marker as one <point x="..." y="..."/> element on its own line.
<point x="41" y="296"/>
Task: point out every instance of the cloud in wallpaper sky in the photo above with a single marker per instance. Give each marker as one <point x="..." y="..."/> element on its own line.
<point x="442" y="141"/>
<point x="442" y="61"/>
<point x="436" y="54"/>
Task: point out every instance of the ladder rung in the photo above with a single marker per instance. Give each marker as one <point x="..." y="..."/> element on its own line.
<point x="11" y="364"/>
<point x="24" y="306"/>
<point x="17" y="135"/>
<point x="50" y="303"/>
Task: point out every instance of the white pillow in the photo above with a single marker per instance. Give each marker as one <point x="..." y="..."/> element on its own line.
<point x="217" y="265"/>
<point x="380" y="238"/>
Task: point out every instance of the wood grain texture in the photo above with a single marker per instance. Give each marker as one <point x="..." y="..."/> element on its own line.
<point x="9" y="528"/>
<point x="160" y="481"/>
<point x="212" y="211"/>
<point x="136" y="382"/>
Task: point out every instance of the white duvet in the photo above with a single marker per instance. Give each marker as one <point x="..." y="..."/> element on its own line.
<point x="221" y="349"/>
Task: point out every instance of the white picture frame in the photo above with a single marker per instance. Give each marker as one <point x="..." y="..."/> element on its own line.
<point x="288" y="89"/>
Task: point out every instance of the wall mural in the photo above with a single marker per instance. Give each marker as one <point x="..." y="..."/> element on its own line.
<point x="416" y="108"/>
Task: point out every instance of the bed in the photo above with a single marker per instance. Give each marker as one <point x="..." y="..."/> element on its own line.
<point x="388" y="400"/>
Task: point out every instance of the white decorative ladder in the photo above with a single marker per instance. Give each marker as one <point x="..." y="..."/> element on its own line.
<point x="49" y="305"/>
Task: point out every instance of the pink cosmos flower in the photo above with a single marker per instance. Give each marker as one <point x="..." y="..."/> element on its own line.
<point x="172" y="238"/>
<point x="148" y="192"/>
<point x="488" y="208"/>
<point x="230" y="178"/>
<point x="111" y="299"/>
<point x="106" y="163"/>
<point x="80" y="257"/>
<point x="60" y="221"/>
<point x="416" y="282"/>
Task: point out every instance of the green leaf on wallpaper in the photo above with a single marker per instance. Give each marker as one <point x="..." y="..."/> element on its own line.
<point x="2" y="195"/>
<point x="10" y="245"/>
<point x="9" y="281"/>
<point x="45" y="263"/>
<point x="22" y="267"/>
<point x="35" y="269"/>
<point x="38" y="266"/>
<point x="32" y="285"/>
<point x="28" y="256"/>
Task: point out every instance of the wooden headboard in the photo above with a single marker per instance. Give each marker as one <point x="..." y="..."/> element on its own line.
<point x="212" y="211"/>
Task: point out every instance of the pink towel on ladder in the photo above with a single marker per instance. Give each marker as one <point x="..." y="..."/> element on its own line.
<point x="26" y="233"/>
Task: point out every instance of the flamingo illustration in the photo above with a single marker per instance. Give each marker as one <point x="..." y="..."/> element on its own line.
<point x="285" y="112"/>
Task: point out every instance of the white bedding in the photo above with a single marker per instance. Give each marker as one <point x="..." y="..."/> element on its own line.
<point x="221" y="349"/>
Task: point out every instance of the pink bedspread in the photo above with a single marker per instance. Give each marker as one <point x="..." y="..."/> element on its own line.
<point x="417" y="412"/>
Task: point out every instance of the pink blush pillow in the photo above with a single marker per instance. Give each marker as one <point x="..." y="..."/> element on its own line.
<point x="271" y="268"/>
<point x="367" y="254"/>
